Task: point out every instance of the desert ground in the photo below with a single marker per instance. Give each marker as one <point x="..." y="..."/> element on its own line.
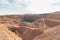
<point x="30" y="27"/>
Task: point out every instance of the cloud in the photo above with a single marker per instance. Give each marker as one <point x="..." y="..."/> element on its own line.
<point x="14" y="5"/>
<point x="43" y="6"/>
<point x="56" y="4"/>
<point x="5" y="5"/>
<point x="21" y="5"/>
<point x="29" y="6"/>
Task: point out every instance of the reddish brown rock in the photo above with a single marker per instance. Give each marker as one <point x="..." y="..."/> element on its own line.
<point x="27" y="33"/>
<point x="52" y="22"/>
<point x="50" y="34"/>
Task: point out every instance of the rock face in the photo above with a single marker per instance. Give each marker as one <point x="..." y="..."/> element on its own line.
<point x="6" y="34"/>
<point x="52" y="29"/>
<point x="53" y="19"/>
<point x="50" y="34"/>
<point x="52" y="22"/>
<point x="27" y="33"/>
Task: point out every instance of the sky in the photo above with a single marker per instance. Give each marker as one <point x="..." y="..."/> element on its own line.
<point x="28" y="6"/>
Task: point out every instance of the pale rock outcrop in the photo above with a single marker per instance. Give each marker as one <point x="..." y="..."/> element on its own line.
<point x="6" y="34"/>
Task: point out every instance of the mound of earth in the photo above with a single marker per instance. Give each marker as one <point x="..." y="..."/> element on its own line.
<point x="10" y="19"/>
<point x="27" y="33"/>
<point x="55" y="16"/>
<point x="39" y="22"/>
<point x="51" y="22"/>
<point x="47" y="22"/>
<point x="6" y="34"/>
<point x="50" y="34"/>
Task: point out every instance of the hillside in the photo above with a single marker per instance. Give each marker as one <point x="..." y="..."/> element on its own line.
<point x="6" y="34"/>
<point x="55" y="15"/>
<point x="30" y="27"/>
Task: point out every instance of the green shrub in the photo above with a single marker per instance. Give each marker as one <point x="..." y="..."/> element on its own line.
<point x="27" y="21"/>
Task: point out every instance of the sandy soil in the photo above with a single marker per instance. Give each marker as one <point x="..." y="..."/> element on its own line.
<point x="6" y="34"/>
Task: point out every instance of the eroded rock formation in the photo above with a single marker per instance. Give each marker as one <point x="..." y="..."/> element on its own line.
<point x="50" y="34"/>
<point x="6" y="34"/>
<point x="11" y="28"/>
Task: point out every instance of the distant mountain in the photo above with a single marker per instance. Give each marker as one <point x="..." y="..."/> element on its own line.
<point x="34" y="16"/>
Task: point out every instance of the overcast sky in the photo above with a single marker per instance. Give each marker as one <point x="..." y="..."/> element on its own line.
<point x="28" y="6"/>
